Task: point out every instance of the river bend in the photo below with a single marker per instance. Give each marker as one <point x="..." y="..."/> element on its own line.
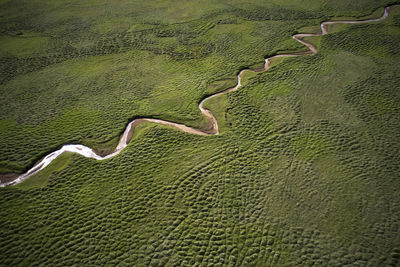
<point x="128" y="133"/>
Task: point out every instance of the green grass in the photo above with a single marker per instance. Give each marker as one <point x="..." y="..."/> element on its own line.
<point x="80" y="107"/>
<point x="111" y="62"/>
<point x="305" y="170"/>
<point x="218" y="107"/>
<point x="22" y="45"/>
<point x="314" y="40"/>
<point x="41" y="178"/>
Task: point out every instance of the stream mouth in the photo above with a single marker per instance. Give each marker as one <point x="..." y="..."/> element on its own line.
<point x="13" y="179"/>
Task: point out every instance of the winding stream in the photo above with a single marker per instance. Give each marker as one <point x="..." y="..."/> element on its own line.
<point x="128" y="133"/>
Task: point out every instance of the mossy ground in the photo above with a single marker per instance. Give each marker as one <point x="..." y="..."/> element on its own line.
<point x="305" y="172"/>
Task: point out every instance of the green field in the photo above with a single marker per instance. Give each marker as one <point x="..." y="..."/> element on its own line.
<point x="306" y="170"/>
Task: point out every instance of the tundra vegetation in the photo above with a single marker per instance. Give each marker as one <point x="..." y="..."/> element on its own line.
<point x="306" y="170"/>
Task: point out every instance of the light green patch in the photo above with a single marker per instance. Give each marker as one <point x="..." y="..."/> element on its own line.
<point x="279" y="89"/>
<point x="374" y="14"/>
<point x="308" y="147"/>
<point x="114" y="25"/>
<point x="218" y="105"/>
<point x="173" y="11"/>
<point x="172" y="42"/>
<point x="276" y="61"/>
<point x="300" y="4"/>
<point x="290" y="45"/>
<point x="320" y="99"/>
<point x="314" y="40"/>
<point x="221" y="85"/>
<point x="90" y="66"/>
<point x="240" y="29"/>
<point x="310" y="29"/>
<point x="337" y="27"/>
<point x="23" y="45"/>
<point x="247" y="75"/>
<point x="41" y="178"/>
<point x="271" y="89"/>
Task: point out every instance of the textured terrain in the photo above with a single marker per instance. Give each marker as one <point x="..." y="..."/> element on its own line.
<point x="305" y="170"/>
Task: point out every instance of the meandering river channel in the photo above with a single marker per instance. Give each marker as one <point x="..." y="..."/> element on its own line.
<point x="128" y="133"/>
